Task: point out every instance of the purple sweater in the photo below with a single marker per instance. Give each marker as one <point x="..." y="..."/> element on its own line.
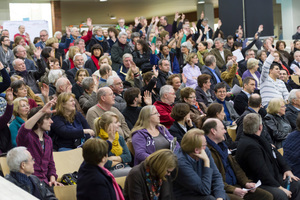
<point x="248" y="74"/>
<point x="143" y="143"/>
<point x="44" y="166"/>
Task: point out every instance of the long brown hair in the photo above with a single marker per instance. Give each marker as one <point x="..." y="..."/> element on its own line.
<point x="61" y="100"/>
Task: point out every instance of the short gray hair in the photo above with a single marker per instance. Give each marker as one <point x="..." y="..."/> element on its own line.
<point x="77" y="54"/>
<point x="165" y="89"/>
<point x="187" y="45"/>
<point x="293" y="95"/>
<point x="219" y="39"/>
<point x="251" y="123"/>
<point x="110" y="80"/>
<point x="127" y="55"/>
<point x="76" y="42"/>
<point x="229" y="64"/>
<point x="101" y="92"/>
<point x="15" y="157"/>
<point x="54" y="75"/>
<point x="60" y="82"/>
<point x="122" y="33"/>
<point x="209" y="60"/>
<point x="56" y="33"/>
<point x="15" y="50"/>
<point x="96" y="29"/>
<point x="87" y="82"/>
<point x="252" y="62"/>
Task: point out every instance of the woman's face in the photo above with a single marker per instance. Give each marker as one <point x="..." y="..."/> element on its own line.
<point x="104" y="61"/>
<point x="191" y="99"/>
<point x="201" y="47"/>
<point x="52" y="54"/>
<point x="184" y="50"/>
<point x="277" y="58"/>
<point x="221" y="115"/>
<point x="97" y="52"/>
<point x="81" y="76"/>
<point x="115" y="124"/>
<point x="263" y="56"/>
<point x="139" y="47"/>
<point x="154" y="117"/>
<point x="99" y="32"/>
<point x="55" y="45"/>
<point x="22" y="91"/>
<point x="111" y="34"/>
<point x="169" y="171"/>
<point x="297" y="45"/>
<point x="91" y="89"/>
<point x="70" y="104"/>
<point x="281" y="46"/>
<point x="176" y="83"/>
<point x="23" y="108"/>
<point x="282" y="109"/>
<point x="195" y="59"/>
<point x="22" y="42"/>
<point x="207" y="85"/>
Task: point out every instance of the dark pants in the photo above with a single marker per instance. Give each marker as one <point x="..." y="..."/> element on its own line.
<point x="258" y="194"/>
<point x="278" y="194"/>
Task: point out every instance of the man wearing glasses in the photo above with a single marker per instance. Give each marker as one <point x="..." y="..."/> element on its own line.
<point x="6" y="54"/>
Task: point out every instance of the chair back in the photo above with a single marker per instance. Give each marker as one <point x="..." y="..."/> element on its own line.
<point x="121" y="181"/>
<point x="4" y="167"/>
<point x="67" y="192"/>
<point x="130" y="147"/>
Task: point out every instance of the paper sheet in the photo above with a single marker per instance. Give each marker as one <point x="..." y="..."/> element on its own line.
<point x="236" y="90"/>
<point x="238" y="54"/>
<point x="256" y="186"/>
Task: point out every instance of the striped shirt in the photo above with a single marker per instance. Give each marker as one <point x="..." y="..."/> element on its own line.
<point x="269" y="88"/>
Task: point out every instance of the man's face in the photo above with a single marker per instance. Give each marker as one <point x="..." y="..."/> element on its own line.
<point x="117" y="86"/>
<point x="298" y="29"/>
<point x="221" y="94"/>
<point x="81" y="46"/>
<point x="27" y="166"/>
<point x="75" y="32"/>
<point x="218" y="45"/>
<point x="165" y="50"/>
<point x="122" y="39"/>
<point x="162" y="21"/>
<point x="22" y="29"/>
<point x="46" y="124"/>
<point x="220" y="132"/>
<point x="275" y="71"/>
<point x="170" y="96"/>
<point x="43" y="36"/>
<point x="204" y="22"/>
<point x="165" y="66"/>
<point x="20" y="65"/>
<point x="296" y="56"/>
<point x="5" y="33"/>
<point x="251" y="54"/>
<point x="109" y="97"/>
<point x="21" y="53"/>
<point x="121" y="22"/>
<point x="283" y="75"/>
<point x="6" y="42"/>
<point x="79" y="62"/>
<point x="67" y="87"/>
<point x="230" y="42"/>
<point x="250" y="87"/>
<point x="296" y="102"/>
<point x="127" y="61"/>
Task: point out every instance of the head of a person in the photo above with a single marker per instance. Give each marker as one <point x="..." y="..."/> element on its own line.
<point x="164" y="49"/>
<point x="147" y="77"/>
<point x="58" y="35"/>
<point x="202" y="46"/>
<point x="294" y="98"/>
<point x="73" y="51"/>
<point x="220" y="91"/>
<point x="215" y="110"/>
<point x="298" y="29"/>
<point x="167" y="94"/>
<point x="274" y="70"/>
<point x="44" y="122"/>
<point x="174" y="80"/>
<point x="97" y="50"/>
<point x="249" y="84"/>
<point x="81" y="44"/>
<point x="105" y="70"/>
<point x="161" y="164"/>
<point x="21" y="29"/>
<point x="88" y="85"/>
<point x="219" y="42"/>
<point x="75" y="32"/>
<point x="63" y="85"/>
<point x="5" y="32"/>
<point x="164" y="65"/>
<point x="104" y="60"/>
<point x="65" y="106"/>
<point x="204" y="21"/>
<point x="230" y="40"/>
<point x="133" y="96"/>
<point x="266" y="43"/>
<point x="112" y="32"/>
<point x="44" y="35"/>
<point x="98" y="31"/>
<point x="252" y="64"/>
<point x="105" y="96"/>
<point x="135" y="36"/>
<point x="210" y="61"/>
<point x="53" y="63"/>
<point x="48" y="52"/>
<point x="186" y="47"/>
<point x="105" y="121"/>
<point x="21" y="107"/>
<point x="105" y="33"/>
<point x="141" y="46"/>
<point x="54" y="75"/>
<point x="204" y="81"/>
<point x="277" y="56"/>
<point x="148" y="116"/>
<point x="214" y="129"/>
<point x="121" y="22"/>
<point x="165" y="35"/>
<point x="127" y="59"/>
<point x="5" y="41"/>
<point x="280" y="45"/>
<point x="83" y="33"/>
<point x="116" y="84"/>
<point x="122" y="37"/>
<point x="210" y="43"/>
<point x="283" y="75"/>
<point x="262" y="55"/>
<point x="180" y="112"/>
<point x="188" y="95"/>
<point x="254" y="101"/>
<point x="158" y="42"/>
<point x="237" y="45"/>
<point x="81" y="74"/>
<point x="20" y="160"/>
<point x="297" y="56"/>
<point x="19" y="88"/>
<point x="78" y="61"/>
<point x="52" y="42"/>
<point x="276" y="106"/>
<point x="193" y="141"/>
<point x="20" y="52"/>
<point x="94" y="151"/>
<point x="252" y="124"/>
<point x="19" y="65"/>
<point x="192" y="59"/>
<point x="250" y="54"/>
<point x="163" y="20"/>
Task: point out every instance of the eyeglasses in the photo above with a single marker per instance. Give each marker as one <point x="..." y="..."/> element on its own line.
<point x="43" y="35"/>
<point x="156" y="113"/>
<point x="193" y="97"/>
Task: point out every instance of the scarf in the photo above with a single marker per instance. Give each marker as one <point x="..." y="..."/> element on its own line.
<point x="222" y="149"/>
<point x="118" y="191"/>
<point x="116" y="147"/>
<point x="72" y="63"/>
<point x="198" y="108"/>
<point x="96" y="61"/>
<point x="100" y="38"/>
<point x="121" y="45"/>
<point x="154" y="186"/>
<point x="200" y="55"/>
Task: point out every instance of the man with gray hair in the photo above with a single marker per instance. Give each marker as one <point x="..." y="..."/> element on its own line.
<point x="118" y="50"/>
<point x="44" y="37"/>
<point x="261" y="161"/>
<point x="116" y="84"/>
<point x="105" y="102"/>
<point x="293" y="108"/>
<point x="165" y="105"/>
<point x="20" y="52"/>
<point x="220" y="53"/>
<point x="127" y="62"/>
<point x="20" y="163"/>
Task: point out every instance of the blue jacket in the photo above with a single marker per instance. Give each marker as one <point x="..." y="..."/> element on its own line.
<point x="174" y="62"/>
<point x="194" y="179"/>
<point x="291" y="149"/>
<point x="29" y="65"/>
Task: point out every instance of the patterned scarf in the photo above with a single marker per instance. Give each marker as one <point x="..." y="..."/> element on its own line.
<point x="154" y="186"/>
<point x="116" y="147"/>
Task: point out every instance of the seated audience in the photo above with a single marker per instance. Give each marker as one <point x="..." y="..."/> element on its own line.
<point x="210" y="69"/>
<point x="293" y="108"/>
<point x="181" y="114"/>
<point x="151" y="179"/>
<point x="202" y="52"/>
<point x="282" y="65"/>
<point x="69" y="128"/>
<point x="198" y="177"/>
<point x="105" y="71"/>
<point x="93" y="62"/>
<point x="269" y="166"/>
<point x="116" y="85"/>
<point x="149" y="136"/>
<point x="204" y="93"/>
<point x="175" y="81"/>
<point x="280" y="46"/>
<point x="230" y="75"/>
<point x="20" y="90"/>
<point x="220" y="53"/>
<point x="20" y="163"/>
<point x="252" y="66"/>
<point x="7" y="55"/>
<point x="191" y="71"/>
<point x="21" y="53"/>
<point x="141" y="55"/>
<point x="88" y="98"/>
<point x="94" y="180"/>
<point x="102" y="60"/>
<point x="163" y="73"/>
<point x="124" y="68"/>
<point x="68" y="63"/>
<point x="119" y="156"/>
<point x="150" y="80"/>
<point x="277" y="125"/>
<point x="77" y="86"/>
<point x="99" y="39"/>
<point x="112" y="33"/>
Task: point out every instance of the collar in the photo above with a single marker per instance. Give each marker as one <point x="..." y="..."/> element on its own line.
<point x="219" y="101"/>
<point x="252" y="109"/>
<point x="248" y="94"/>
<point x="214" y="71"/>
<point x="296" y="108"/>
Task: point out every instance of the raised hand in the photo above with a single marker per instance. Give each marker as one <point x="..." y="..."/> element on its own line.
<point x="47" y="108"/>
<point x="68" y="31"/>
<point x="194" y="25"/>
<point x="152" y="20"/>
<point x="89" y="22"/>
<point x="182" y="17"/>
<point x="260" y="28"/>
<point x="219" y="24"/>
<point x="133" y="67"/>
<point x="136" y="21"/>
<point x="206" y="29"/>
<point x="202" y="15"/>
<point x="147" y="98"/>
<point x="9" y="96"/>
<point x="45" y="90"/>
<point x="38" y="52"/>
<point x="155" y="71"/>
<point x="180" y="34"/>
<point x="177" y="16"/>
<point x="27" y="37"/>
<point x="1" y="66"/>
<point x="156" y="19"/>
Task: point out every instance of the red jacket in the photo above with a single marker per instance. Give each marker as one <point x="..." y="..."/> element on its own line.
<point x="165" y="113"/>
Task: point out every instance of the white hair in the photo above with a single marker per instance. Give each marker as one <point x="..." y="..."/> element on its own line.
<point x="110" y="80"/>
<point x="293" y="95"/>
<point x="165" y="89"/>
<point x="56" y="33"/>
<point x="210" y="41"/>
<point x="15" y="157"/>
<point x="122" y="33"/>
<point x="54" y="74"/>
<point x="77" y="54"/>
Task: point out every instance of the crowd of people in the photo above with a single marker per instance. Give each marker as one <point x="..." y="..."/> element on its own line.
<point x="152" y="103"/>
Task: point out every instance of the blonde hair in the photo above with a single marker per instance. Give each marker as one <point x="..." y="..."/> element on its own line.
<point x="143" y="121"/>
<point x="16" y="103"/>
<point x="60" y="110"/>
<point x="104" y="121"/>
<point x="189" y="57"/>
<point x="102" y="58"/>
<point x="274" y="106"/>
<point x="72" y="51"/>
<point x="191" y="140"/>
<point x="251" y="63"/>
<point x="51" y="41"/>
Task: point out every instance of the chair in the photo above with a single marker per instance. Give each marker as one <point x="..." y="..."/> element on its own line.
<point x="4" y="166"/>
<point x="232" y="132"/>
<point x="67" y="161"/>
<point x="280" y="151"/>
<point x="130" y="147"/>
<point x="121" y="181"/>
<point x="67" y="192"/>
<point x="295" y="78"/>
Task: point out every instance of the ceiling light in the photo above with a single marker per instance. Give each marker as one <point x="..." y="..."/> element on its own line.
<point x="201" y="2"/>
<point x="112" y="17"/>
<point x="102" y="0"/>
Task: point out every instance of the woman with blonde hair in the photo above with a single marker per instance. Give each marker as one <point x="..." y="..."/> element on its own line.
<point x="119" y="156"/>
<point x="69" y="129"/>
<point x="68" y="62"/>
<point x="252" y="66"/>
<point x="191" y="71"/>
<point x="148" y="135"/>
<point x="277" y="125"/>
<point x="151" y="179"/>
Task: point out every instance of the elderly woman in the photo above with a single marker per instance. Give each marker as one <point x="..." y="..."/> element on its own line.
<point x="69" y="129"/>
<point x="68" y="63"/>
<point x="93" y="62"/>
<point x="88" y="98"/>
<point x="277" y="125"/>
<point x="181" y="114"/>
<point x="191" y="71"/>
<point x="141" y="56"/>
<point x="102" y="60"/>
<point x="252" y="67"/>
<point x="94" y="180"/>
<point x="203" y="92"/>
<point x="53" y="42"/>
<point x="151" y="179"/>
<point x="182" y="50"/>
<point x="20" y="112"/>
<point x="149" y="136"/>
<point x="198" y="110"/>
<point x="281" y="63"/>
<point x="119" y="156"/>
<point x="20" y="90"/>
<point x="202" y="51"/>
<point x="77" y="86"/>
<point x="98" y="38"/>
<point x="280" y="46"/>
<point x="175" y="81"/>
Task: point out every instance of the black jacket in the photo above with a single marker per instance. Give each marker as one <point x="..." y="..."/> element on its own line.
<point x="240" y="103"/>
<point x="177" y="131"/>
<point x="142" y="60"/>
<point x="201" y="96"/>
<point x="131" y="115"/>
<point x="291" y="115"/>
<point x="89" y="64"/>
<point x="161" y="79"/>
<point x="117" y="53"/>
<point x="43" y="192"/>
<point x="71" y="73"/>
<point x="77" y="90"/>
<point x="104" y="44"/>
